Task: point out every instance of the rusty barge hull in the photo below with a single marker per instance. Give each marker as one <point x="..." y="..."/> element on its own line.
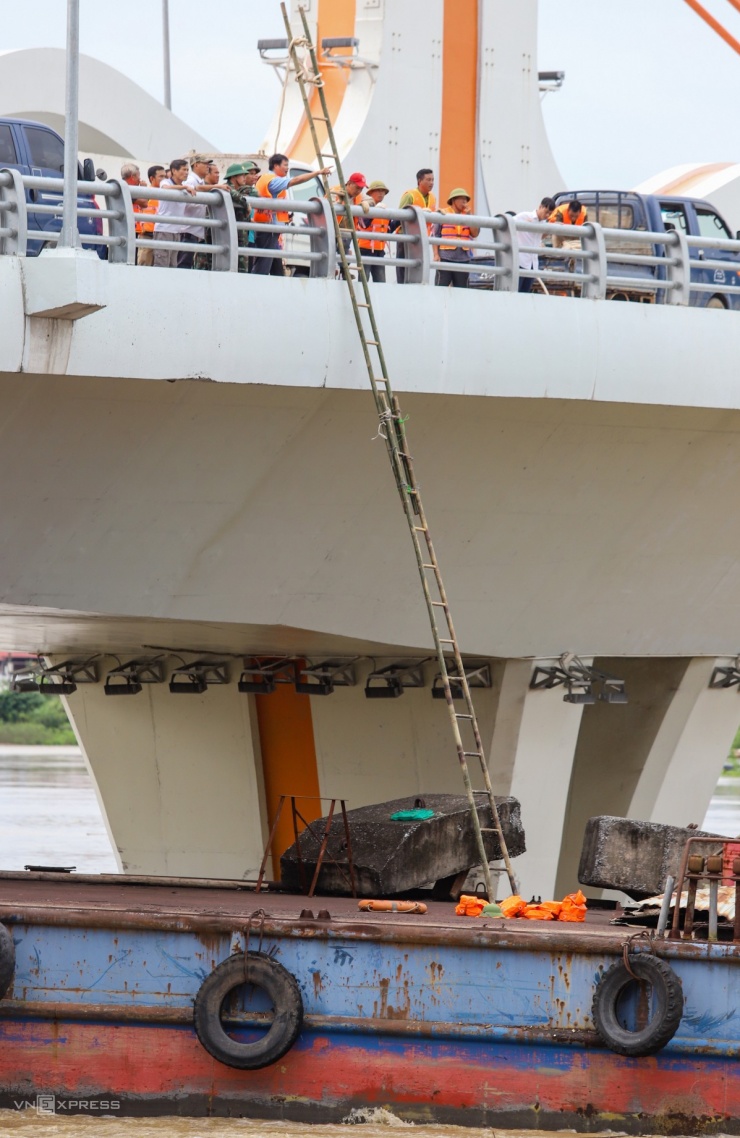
<point x="436" y="1018"/>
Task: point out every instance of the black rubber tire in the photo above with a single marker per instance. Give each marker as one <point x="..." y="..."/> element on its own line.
<point x="282" y="989"/>
<point x="669" y="1006"/>
<point x="7" y="960"/>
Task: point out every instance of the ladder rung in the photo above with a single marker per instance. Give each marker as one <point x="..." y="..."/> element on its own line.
<point x="428" y="566"/>
<point x="472" y="754"/>
<point x="440" y="604"/>
<point x="423" y="529"/>
<point x="361" y="304"/>
<point x="373" y="342"/>
<point x="463" y="715"/>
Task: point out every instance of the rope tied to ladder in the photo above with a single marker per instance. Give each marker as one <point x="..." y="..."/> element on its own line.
<point x="384" y="418"/>
<point x="302" y="70"/>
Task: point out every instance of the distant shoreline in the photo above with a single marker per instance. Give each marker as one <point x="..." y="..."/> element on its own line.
<point x="40" y="749"/>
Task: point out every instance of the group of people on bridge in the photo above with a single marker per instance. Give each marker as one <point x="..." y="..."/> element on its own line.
<point x="178" y="223"/>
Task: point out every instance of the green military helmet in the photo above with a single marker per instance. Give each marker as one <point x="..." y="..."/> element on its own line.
<point x="235" y="168"/>
<point x="458" y="192"/>
<point x="378" y="185"/>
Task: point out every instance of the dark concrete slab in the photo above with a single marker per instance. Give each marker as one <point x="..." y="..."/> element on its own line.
<point x="392" y="857"/>
<point x="631" y="855"/>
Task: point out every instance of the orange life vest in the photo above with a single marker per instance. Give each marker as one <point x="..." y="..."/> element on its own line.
<point x="338" y="194"/>
<point x="449" y="229"/>
<point x="561" y="216"/>
<point x="430" y="205"/>
<point x="418" y="199"/>
<point x="263" y="189"/>
<point x="377" y="225"/>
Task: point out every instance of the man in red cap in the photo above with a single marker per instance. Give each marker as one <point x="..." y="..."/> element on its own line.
<point x="354" y="186"/>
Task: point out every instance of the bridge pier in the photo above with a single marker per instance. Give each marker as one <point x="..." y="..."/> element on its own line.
<point x="188" y="786"/>
<point x="532" y="747"/>
<point x="658" y="758"/>
<point x="179" y="779"/>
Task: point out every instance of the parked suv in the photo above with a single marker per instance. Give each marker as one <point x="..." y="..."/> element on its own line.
<point x="34" y="148"/>
<point x="617" y="209"/>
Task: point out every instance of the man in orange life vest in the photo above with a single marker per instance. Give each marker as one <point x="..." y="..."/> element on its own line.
<point x="375" y="248"/>
<point x="458" y="205"/>
<point x="354" y="186"/>
<point x="275" y="184"/>
<point x="422" y="197"/>
<point x="567" y="213"/>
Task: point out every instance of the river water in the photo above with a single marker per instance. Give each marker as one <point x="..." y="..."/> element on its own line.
<point x="50" y="815"/>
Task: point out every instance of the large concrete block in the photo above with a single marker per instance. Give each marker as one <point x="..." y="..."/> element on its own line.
<point x="392" y="857"/>
<point x="631" y="855"/>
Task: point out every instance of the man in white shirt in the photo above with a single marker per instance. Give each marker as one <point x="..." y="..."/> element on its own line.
<point x="193" y="234"/>
<point x="172" y="229"/>
<point x="533" y="240"/>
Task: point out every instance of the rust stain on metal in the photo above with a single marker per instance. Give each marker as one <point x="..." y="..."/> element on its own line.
<point x="401" y="1011"/>
<point x="384" y="985"/>
<point x="318" y="984"/>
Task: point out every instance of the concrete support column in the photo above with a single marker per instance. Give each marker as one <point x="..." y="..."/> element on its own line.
<point x="532" y="750"/>
<point x="686" y="759"/>
<point x="178" y="777"/>
<point x="658" y="758"/>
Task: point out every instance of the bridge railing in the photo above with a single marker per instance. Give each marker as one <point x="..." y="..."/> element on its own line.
<point x="587" y="261"/>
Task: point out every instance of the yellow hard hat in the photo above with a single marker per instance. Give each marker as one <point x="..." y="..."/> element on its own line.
<point x="458" y="192"/>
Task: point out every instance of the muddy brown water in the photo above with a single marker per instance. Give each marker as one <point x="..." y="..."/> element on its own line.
<point x="28" y="1124"/>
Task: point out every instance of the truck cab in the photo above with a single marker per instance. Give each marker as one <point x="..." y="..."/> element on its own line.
<point x="34" y="148"/>
<point x="647" y="213"/>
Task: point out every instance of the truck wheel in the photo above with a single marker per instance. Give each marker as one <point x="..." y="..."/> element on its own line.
<point x="716" y="302"/>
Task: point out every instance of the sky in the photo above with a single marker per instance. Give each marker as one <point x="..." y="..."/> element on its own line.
<point x="647" y="84"/>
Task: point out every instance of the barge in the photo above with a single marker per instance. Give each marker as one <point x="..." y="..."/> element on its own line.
<point x="124" y="989"/>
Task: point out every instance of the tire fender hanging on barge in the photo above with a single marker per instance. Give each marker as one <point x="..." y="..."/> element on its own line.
<point x="668" y="996"/>
<point x="280" y="986"/>
<point x="7" y="960"/>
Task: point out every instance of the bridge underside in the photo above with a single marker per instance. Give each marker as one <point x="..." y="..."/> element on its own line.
<point x="580" y="465"/>
<point x="226" y="519"/>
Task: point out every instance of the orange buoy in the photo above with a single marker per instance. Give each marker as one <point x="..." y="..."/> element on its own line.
<point x="392" y="906"/>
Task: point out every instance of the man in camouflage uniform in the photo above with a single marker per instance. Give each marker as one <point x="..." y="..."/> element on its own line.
<point x="240" y="180"/>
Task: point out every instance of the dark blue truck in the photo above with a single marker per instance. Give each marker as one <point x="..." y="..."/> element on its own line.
<point x="619" y="209"/>
<point x="34" y="148"/>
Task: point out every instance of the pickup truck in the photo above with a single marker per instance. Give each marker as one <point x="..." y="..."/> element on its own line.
<point x="618" y="209"/>
<point x="34" y="148"/>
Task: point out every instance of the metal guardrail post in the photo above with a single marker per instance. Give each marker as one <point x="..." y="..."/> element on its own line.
<point x="69" y="236"/>
<point x="225" y="235"/>
<point x="679" y="274"/>
<point x="419" y="249"/>
<point x="323" y="242"/>
<point x="13" y="195"/>
<point x="122" y="226"/>
<point x="594" y="269"/>
<point x="508" y="257"/>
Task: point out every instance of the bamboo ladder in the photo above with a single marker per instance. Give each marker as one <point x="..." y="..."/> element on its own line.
<point x="393" y="430"/>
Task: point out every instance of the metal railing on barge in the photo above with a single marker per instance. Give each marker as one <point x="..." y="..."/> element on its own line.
<point x="595" y="263"/>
